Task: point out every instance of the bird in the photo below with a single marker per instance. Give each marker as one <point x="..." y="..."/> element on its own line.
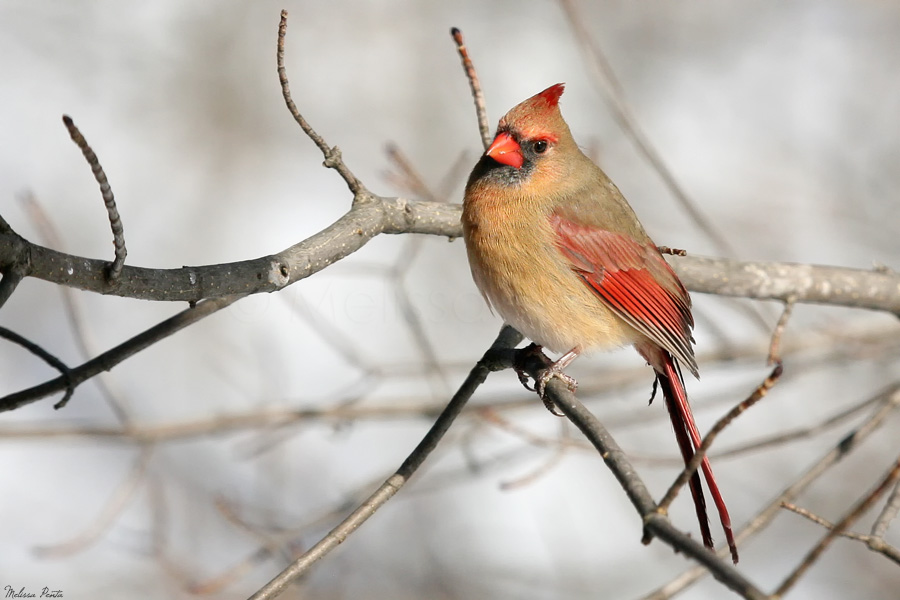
<point x="559" y="254"/>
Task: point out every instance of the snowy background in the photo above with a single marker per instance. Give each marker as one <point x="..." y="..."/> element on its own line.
<point x="780" y="119"/>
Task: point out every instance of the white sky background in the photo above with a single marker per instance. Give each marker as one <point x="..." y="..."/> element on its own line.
<point x="781" y="121"/>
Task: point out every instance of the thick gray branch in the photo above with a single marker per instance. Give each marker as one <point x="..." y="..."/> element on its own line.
<point x="858" y="288"/>
<point x="876" y="290"/>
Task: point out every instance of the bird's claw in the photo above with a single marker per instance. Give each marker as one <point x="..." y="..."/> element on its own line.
<point x="523" y="379"/>
<point x="522" y="355"/>
<point x="541" y="387"/>
<point x="547" y="373"/>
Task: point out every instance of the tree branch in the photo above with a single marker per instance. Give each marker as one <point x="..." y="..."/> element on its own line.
<point x="839" y="286"/>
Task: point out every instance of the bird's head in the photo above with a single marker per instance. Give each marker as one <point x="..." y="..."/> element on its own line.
<point x="531" y="143"/>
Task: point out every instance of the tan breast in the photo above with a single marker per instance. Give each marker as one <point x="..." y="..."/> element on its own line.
<point x="524" y="277"/>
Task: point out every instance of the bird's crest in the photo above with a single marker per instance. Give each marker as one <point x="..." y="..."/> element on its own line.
<point x="537" y="115"/>
<point x="552" y="94"/>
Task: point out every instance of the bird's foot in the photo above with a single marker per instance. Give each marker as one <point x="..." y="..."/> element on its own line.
<point x="522" y="356"/>
<point x="549" y="373"/>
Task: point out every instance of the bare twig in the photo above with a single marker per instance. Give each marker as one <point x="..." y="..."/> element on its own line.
<point x="491" y="361"/>
<point x="838" y="528"/>
<point x="880" y="527"/>
<point x="778" y="332"/>
<point x="672" y="251"/>
<point x="874" y="543"/>
<point x="484" y="127"/>
<point x="115" y="221"/>
<point x="332" y="154"/>
<point x="40" y="352"/>
<point x="560" y="449"/>
<point x="408" y="176"/>
<point x="114" y="507"/>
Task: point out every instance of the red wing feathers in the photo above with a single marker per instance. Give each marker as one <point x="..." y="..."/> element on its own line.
<point x="634" y="280"/>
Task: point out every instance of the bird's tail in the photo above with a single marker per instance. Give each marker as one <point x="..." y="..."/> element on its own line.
<point x="669" y="376"/>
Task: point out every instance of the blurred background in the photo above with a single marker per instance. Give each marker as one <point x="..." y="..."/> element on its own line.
<point x="188" y="468"/>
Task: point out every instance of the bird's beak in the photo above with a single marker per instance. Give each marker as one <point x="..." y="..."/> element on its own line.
<point x="506" y="150"/>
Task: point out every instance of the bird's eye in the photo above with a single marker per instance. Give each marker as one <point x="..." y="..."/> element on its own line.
<point x="540" y="146"/>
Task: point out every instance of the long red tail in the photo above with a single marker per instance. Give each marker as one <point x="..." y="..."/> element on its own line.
<point x="689" y="440"/>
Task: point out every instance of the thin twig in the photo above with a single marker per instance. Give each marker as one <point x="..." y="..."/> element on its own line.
<point x="835" y="286"/>
<point x="44" y="355"/>
<point x="855" y="513"/>
<point x="115" y="221"/>
<point x="408" y="177"/>
<point x="332" y="155"/>
<point x="778" y="332"/>
<point x="560" y="449"/>
<point x="484" y="126"/>
<point x="506" y="340"/>
<point x="672" y="251"/>
<point x="114" y="507"/>
<point x="880" y="527"/>
<point x="874" y="543"/>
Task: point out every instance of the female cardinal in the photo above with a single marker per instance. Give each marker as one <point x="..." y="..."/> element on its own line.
<point x="555" y="248"/>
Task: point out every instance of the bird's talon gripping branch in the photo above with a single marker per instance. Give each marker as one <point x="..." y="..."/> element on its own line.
<point x="549" y="373"/>
<point x="520" y="362"/>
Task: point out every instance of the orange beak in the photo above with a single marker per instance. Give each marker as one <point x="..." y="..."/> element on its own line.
<point x="506" y="150"/>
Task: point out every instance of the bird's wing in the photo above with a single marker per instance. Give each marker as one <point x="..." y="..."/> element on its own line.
<point x="632" y="279"/>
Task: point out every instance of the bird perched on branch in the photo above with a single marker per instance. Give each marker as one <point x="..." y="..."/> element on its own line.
<point x="557" y="251"/>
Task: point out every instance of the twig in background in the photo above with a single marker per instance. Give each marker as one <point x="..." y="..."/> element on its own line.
<point x="876" y="544"/>
<point x="484" y="127"/>
<point x="880" y="527"/>
<point x="893" y="475"/>
<point x="65" y="372"/>
<point x="775" y="345"/>
<point x="332" y="155"/>
<point x="115" y="221"/>
<point x="114" y="507"/>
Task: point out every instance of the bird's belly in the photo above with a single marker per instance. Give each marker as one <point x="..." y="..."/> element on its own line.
<point x="543" y="298"/>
